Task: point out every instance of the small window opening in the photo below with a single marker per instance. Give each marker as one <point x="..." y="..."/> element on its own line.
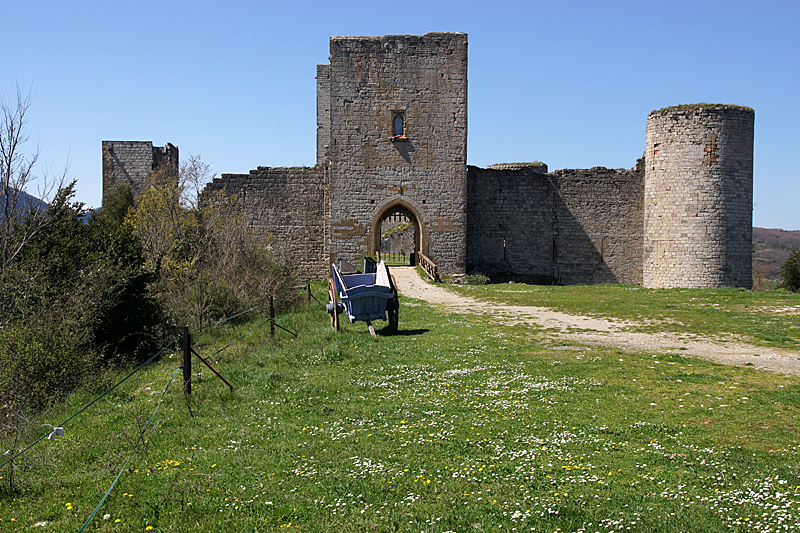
<point x="398" y="126"/>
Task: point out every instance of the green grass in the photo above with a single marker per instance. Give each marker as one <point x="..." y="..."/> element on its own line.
<point x="766" y="318"/>
<point x="453" y="424"/>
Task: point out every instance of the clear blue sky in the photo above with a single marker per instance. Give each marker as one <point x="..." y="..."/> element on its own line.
<point x="567" y="83"/>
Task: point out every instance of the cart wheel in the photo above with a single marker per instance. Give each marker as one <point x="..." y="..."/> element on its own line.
<point x="333" y="305"/>
<point x="393" y="307"/>
<point x="393" y="318"/>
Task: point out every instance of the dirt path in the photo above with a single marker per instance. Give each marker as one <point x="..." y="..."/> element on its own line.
<point x="602" y="331"/>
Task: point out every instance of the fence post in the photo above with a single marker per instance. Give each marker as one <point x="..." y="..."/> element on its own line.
<point x="308" y="286"/>
<point x="271" y="316"/>
<point x="187" y="361"/>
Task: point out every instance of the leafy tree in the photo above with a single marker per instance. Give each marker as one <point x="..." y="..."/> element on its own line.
<point x="74" y="293"/>
<point x="130" y="320"/>
<point x="158" y="217"/>
<point x="790" y="272"/>
<point x="75" y="299"/>
<point x="116" y="205"/>
<point x="209" y="264"/>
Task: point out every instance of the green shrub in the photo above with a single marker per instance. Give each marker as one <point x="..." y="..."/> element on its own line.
<point x="88" y="277"/>
<point x="209" y="275"/>
<point x="75" y="299"/>
<point x="476" y="279"/>
<point x="790" y="272"/>
<point x="41" y="363"/>
<point x="207" y="262"/>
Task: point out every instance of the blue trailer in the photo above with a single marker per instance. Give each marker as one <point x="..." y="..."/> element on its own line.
<point x="364" y="297"/>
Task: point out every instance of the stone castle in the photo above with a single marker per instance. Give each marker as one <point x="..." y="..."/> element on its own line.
<point x="392" y="141"/>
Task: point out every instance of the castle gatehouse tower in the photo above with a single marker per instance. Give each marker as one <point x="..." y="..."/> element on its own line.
<point x="392" y="121"/>
<point x="698" y="197"/>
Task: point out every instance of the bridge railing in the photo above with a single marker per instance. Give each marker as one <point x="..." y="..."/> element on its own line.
<point x="428" y="266"/>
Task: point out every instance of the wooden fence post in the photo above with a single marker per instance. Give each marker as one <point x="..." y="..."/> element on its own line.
<point x="187" y="361"/>
<point x="271" y="316"/>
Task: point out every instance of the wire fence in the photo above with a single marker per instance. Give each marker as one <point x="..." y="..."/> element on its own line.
<point x="58" y="430"/>
<point x="125" y="466"/>
<point x="85" y="407"/>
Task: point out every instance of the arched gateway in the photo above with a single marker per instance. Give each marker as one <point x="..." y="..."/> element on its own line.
<point x="400" y="211"/>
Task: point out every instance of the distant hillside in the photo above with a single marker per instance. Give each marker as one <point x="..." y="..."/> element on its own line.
<point x="24" y="202"/>
<point x="772" y="247"/>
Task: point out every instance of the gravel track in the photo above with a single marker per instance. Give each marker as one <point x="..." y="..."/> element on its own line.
<point x="603" y="331"/>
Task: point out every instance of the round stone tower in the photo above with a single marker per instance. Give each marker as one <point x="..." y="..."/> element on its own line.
<point x="698" y="197"/>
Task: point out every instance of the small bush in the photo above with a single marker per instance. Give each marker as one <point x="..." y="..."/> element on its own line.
<point x="41" y="363"/>
<point x="206" y="262"/>
<point x="790" y="272"/>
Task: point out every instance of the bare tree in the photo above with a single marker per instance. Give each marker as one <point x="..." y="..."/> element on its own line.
<point x="17" y="172"/>
<point x="194" y="175"/>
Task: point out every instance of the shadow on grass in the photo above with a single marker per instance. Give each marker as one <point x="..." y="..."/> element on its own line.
<point x="386" y="331"/>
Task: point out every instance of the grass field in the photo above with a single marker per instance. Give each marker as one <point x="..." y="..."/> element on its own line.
<point x="769" y="318"/>
<point x="453" y="424"/>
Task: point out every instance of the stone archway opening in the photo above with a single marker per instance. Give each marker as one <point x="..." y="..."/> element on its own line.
<point x="397" y="236"/>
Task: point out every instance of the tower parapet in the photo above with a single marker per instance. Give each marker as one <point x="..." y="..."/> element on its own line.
<point x="698" y="196"/>
<point x="131" y="161"/>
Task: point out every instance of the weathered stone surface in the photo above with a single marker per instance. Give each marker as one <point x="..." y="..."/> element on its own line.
<point x="682" y="217"/>
<point x="131" y="161"/>
<point x="576" y="226"/>
<point x="371" y="79"/>
<point x="698" y="195"/>
<point x="323" y="113"/>
<point x="287" y="204"/>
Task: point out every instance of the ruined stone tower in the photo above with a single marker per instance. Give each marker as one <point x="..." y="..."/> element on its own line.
<point x="393" y="125"/>
<point x="131" y="161"/>
<point x="698" y="211"/>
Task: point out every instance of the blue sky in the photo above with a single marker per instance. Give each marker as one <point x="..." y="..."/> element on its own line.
<point x="567" y="83"/>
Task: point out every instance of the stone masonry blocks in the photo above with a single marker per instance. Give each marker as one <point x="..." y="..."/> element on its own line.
<point x="572" y="226"/>
<point x="131" y="161"/>
<point x="286" y="205"/>
<point x="371" y="80"/>
<point x="698" y="213"/>
<point x="323" y="113"/>
<point x="682" y="217"/>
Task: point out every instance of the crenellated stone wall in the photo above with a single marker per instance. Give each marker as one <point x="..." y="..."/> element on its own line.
<point x="392" y="142"/>
<point x="574" y="226"/>
<point x="599" y="220"/>
<point x="699" y="197"/>
<point x="287" y="204"/>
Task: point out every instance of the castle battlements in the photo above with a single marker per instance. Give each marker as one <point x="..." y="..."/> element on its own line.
<point x="392" y="142"/>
